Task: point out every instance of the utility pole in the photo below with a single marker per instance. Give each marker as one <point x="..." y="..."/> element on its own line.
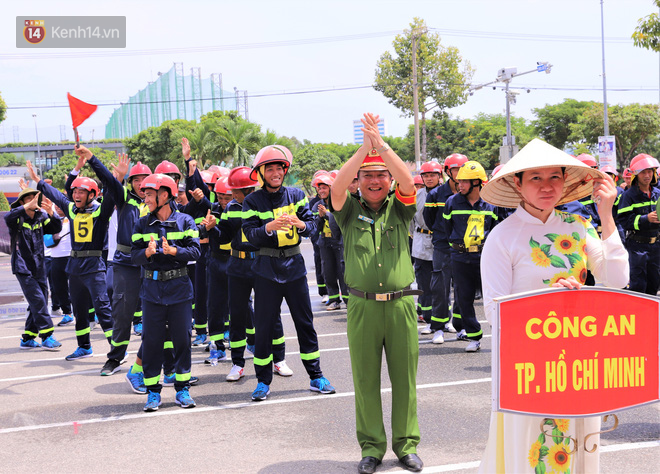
<point x="36" y="131"/>
<point x="606" y="125"/>
<point x="415" y="33"/>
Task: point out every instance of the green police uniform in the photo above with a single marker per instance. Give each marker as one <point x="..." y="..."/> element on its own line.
<point x="377" y="260"/>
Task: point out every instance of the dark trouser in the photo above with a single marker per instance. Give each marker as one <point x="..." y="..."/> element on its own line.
<point x="35" y="290"/>
<point x="467" y="278"/>
<point x="423" y="275"/>
<point x="333" y="272"/>
<point x="48" y="261"/>
<point x="60" y="281"/>
<point x="441" y="280"/>
<point x="201" y="316"/>
<point x="86" y="289"/>
<point x="217" y="303"/>
<point x="126" y="297"/>
<point x="644" y="266"/>
<point x="241" y="327"/>
<point x="156" y="320"/>
<point x="268" y="297"/>
<point x="318" y="268"/>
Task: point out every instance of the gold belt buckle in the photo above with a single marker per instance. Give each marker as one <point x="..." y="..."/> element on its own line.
<point x="473" y="248"/>
<point x="382" y="296"/>
<point x="241" y="254"/>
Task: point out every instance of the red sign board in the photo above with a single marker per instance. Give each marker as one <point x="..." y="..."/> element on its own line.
<point x="571" y="353"/>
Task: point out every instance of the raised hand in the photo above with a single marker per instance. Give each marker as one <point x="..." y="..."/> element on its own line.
<point x="47" y="205"/>
<point x="167" y="248"/>
<point x="84" y="154"/>
<point x="22" y="184"/>
<point x="185" y="148"/>
<point x="209" y="222"/>
<point x="33" y="174"/>
<point x="33" y="205"/>
<point x="197" y="194"/>
<point x="121" y="168"/>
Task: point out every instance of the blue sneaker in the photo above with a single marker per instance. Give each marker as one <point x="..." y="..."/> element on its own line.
<point x="226" y="337"/>
<point x="66" y="319"/>
<point x="200" y="340"/>
<point x="51" y="344"/>
<point x="215" y="356"/>
<point x="261" y="392"/>
<point x="29" y="344"/>
<point x="153" y="402"/>
<point x="184" y="399"/>
<point x="80" y="353"/>
<point x="168" y="380"/>
<point x="136" y="381"/>
<point x="137" y="329"/>
<point x="321" y="385"/>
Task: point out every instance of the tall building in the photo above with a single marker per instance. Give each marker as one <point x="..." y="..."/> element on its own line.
<point x="357" y="132"/>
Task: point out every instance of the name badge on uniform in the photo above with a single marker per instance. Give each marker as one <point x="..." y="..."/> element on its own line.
<point x="365" y="219"/>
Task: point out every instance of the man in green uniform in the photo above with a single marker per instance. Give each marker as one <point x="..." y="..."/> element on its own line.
<point x="381" y="309"/>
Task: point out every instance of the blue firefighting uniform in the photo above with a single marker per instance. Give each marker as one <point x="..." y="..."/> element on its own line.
<point x="331" y="249"/>
<point x="318" y="265"/>
<point x="241" y="284"/>
<point x="441" y="278"/>
<point x="166" y="293"/>
<point x="126" y="279"/>
<point x="467" y="227"/>
<point x="86" y="267"/>
<point x="422" y="253"/>
<point x="28" y="264"/>
<point x="641" y="238"/>
<point x="279" y="271"/>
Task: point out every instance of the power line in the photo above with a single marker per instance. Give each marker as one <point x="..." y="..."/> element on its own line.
<point x="530" y="37"/>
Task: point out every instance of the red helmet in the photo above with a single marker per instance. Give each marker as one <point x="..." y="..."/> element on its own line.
<point x="455" y="160"/>
<point x="333" y="173"/>
<point x="319" y="172"/>
<point x="627" y="173"/>
<point x="643" y="162"/>
<point x="326" y="179"/>
<point x="272" y="154"/>
<point x="417" y="179"/>
<point x="496" y="170"/>
<point x="158" y="180"/>
<point x="239" y="178"/>
<point x="209" y="177"/>
<point x="88" y="184"/>
<point x="221" y="186"/>
<point x="139" y="170"/>
<point x="167" y="167"/>
<point x="609" y="169"/>
<point x="431" y="167"/>
<point x="588" y="160"/>
<point x="219" y="170"/>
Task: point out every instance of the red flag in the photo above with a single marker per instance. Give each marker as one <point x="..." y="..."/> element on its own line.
<point x="80" y="111"/>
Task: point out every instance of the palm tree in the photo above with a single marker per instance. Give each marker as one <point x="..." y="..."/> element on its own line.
<point x="237" y="141"/>
<point x="203" y="142"/>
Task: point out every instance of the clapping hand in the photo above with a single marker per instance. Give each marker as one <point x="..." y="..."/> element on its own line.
<point x="209" y="222"/>
<point x="167" y="248"/>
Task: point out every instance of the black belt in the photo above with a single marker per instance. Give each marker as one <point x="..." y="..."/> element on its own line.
<point x="279" y="253"/>
<point x="165" y="275"/>
<point x="221" y="254"/>
<point x="393" y="295"/>
<point x="86" y="253"/>
<point x="642" y="239"/>
<point x="424" y="231"/>
<point x="243" y="255"/>
<point x="124" y="248"/>
<point x="461" y="248"/>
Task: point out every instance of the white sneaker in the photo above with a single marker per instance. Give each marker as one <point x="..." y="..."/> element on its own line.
<point x="235" y="373"/>
<point x="438" y="338"/>
<point x="248" y="354"/>
<point x="57" y="312"/>
<point x="462" y="335"/>
<point x="449" y="327"/>
<point x="473" y="346"/>
<point x="427" y="329"/>
<point x="325" y="299"/>
<point x="282" y="369"/>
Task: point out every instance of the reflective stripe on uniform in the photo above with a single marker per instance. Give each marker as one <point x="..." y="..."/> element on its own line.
<point x="310" y="356"/>
<point x="266" y="361"/>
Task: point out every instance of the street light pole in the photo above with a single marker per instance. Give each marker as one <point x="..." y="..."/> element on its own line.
<point x="602" y="39"/>
<point x="36" y="131"/>
<point x="415" y="98"/>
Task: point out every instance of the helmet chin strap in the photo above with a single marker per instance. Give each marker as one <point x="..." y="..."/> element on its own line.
<point x="265" y="183"/>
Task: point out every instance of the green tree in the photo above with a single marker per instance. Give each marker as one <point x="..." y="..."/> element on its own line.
<point x="553" y="121"/>
<point x="203" y="140"/>
<point x="443" y="77"/>
<point x="308" y="159"/>
<point x="3" y="109"/>
<point x="155" y="144"/>
<point x="60" y="171"/>
<point x="647" y="33"/>
<point x="632" y="125"/>
<point x="7" y="159"/>
<point x="238" y="141"/>
<point x="4" y="204"/>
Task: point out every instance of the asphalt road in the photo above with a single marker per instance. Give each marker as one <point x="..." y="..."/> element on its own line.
<point x="60" y="416"/>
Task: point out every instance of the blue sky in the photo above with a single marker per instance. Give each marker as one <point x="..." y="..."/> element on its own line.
<point x="489" y="34"/>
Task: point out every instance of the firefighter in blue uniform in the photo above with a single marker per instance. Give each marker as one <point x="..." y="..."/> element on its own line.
<point x="86" y="268"/>
<point x="638" y="216"/>
<point x="422" y="247"/>
<point x="468" y="220"/>
<point x="318" y="265"/>
<point x="27" y="221"/>
<point x="443" y="311"/>
<point x="331" y="245"/>
<point x="163" y="242"/>
<point x="126" y="279"/>
<point x="274" y="219"/>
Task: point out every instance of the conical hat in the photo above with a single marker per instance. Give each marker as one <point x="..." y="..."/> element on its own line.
<point x="501" y="190"/>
